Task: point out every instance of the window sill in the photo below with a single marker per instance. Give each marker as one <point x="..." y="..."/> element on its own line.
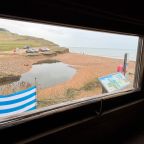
<point x="101" y="102"/>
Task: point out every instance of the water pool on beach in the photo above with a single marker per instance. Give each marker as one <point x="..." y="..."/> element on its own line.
<point x="43" y="75"/>
<point x="48" y="74"/>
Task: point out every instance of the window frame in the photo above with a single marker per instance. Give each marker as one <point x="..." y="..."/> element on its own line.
<point x="54" y="109"/>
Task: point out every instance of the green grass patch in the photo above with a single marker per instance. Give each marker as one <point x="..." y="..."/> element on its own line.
<point x="90" y="85"/>
<point x="71" y="92"/>
<point x="10" y="41"/>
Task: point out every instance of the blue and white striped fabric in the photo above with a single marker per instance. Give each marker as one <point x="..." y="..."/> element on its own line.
<point x="18" y="102"/>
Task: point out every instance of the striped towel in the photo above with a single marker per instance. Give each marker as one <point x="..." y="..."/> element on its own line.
<point x="18" y="102"/>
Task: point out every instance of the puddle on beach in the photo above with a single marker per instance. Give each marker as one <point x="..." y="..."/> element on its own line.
<point x="48" y="74"/>
<point x="44" y="74"/>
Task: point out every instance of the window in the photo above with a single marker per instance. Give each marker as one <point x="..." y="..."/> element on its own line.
<point x="43" y="65"/>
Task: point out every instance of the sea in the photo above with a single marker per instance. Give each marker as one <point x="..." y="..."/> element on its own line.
<point x="106" y="52"/>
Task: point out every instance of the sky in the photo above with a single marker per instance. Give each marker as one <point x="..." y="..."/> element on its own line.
<point x="70" y="37"/>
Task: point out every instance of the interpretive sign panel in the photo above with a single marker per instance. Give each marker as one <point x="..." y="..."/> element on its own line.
<point x="114" y="82"/>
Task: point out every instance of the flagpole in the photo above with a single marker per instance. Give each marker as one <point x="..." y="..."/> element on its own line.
<point x="36" y="92"/>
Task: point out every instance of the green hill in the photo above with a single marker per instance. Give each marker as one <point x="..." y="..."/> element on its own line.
<point x="10" y="41"/>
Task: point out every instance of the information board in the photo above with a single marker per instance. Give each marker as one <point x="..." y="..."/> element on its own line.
<point x="114" y="82"/>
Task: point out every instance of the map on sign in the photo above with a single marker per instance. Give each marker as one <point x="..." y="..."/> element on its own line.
<point x="114" y="82"/>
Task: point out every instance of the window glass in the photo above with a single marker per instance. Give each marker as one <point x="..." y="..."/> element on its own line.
<point x="43" y="65"/>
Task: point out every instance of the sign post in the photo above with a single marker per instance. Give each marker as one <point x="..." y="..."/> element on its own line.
<point x="125" y="63"/>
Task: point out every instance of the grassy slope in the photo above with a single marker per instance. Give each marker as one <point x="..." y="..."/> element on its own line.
<point x="10" y="41"/>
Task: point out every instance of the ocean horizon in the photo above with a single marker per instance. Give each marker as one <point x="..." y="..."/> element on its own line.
<point x="106" y="52"/>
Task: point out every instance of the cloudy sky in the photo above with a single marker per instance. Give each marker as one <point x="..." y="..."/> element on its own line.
<point x="70" y="37"/>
